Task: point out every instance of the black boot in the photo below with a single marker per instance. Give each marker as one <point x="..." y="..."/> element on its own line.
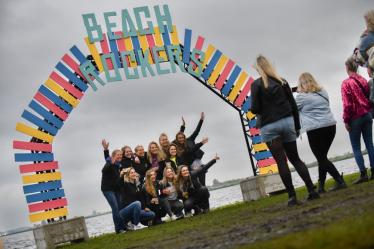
<point x="363" y="177"/>
<point x="339" y="184"/>
<point x="292" y="201"/>
<point x="321" y="187"/>
<point x="312" y="196"/>
<point x="372" y="174"/>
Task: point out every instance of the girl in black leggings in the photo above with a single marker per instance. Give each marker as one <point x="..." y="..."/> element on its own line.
<point x="320" y="125"/>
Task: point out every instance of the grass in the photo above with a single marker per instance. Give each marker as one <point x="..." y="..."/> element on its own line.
<point x="341" y="219"/>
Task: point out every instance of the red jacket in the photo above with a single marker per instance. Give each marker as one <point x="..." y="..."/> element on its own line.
<point x="355" y="102"/>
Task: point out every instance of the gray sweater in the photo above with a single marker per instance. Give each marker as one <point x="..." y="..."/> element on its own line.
<point x="314" y="110"/>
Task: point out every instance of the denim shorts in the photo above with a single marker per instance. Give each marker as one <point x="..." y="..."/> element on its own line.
<point x="284" y="128"/>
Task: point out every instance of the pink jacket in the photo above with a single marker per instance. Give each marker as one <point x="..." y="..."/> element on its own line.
<point x="355" y="103"/>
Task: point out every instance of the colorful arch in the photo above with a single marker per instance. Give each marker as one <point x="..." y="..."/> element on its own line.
<point x="66" y="87"/>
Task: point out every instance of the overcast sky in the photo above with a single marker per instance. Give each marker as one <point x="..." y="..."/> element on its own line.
<point x="298" y="36"/>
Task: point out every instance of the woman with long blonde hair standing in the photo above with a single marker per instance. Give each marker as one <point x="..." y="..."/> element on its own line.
<point x="320" y="126"/>
<point x="275" y="106"/>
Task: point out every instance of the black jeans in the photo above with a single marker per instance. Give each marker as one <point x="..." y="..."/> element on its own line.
<point x="171" y="206"/>
<point x="320" y="141"/>
<point x="198" y="200"/>
<point x="279" y="151"/>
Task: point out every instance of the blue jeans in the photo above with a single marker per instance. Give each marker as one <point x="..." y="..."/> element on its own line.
<point x="113" y="200"/>
<point x="362" y="125"/>
<point x="134" y="213"/>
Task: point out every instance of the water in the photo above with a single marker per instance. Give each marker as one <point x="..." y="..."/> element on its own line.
<point x="220" y="197"/>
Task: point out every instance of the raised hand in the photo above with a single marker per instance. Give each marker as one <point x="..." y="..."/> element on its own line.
<point x="202" y="116"/>
<point x="205" y="140"/>
<point x="183" y="121"/>
<point x="105" y="144"/>
<point x="216" y="157"/>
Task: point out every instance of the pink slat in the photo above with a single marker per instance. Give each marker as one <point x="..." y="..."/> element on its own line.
<point x="47" y="205"/>
<point x="66" y="85"/>
<point x="239" y="101"/>
<point x="254" y="131"/>
<point x="105" y="49"/>
<point x="51" y="106"/>
<point x="120" y="42"/>
<point x="72" y="64"/>
<point x="150" y="40"/>
<point x="21" y="145"/>
<point x="198" y="46"/>
<point x="224" y="74"/>
<point x="34" y="167"/>
<point x="266" y="162"/>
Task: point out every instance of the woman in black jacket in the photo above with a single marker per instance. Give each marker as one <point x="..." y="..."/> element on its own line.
<point x="127" y="155"/>
<point x="151" y="191"/>
<point x="141" y="163"/>
<point x="191" y="191"/>
<point x="278" y="118"/>
<point x="156" y="159"/>
<point x="110" y="187"/>
<point x="174" y="160"/>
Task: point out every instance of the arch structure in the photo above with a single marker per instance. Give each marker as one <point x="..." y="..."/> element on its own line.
<point x="66" y="86"/>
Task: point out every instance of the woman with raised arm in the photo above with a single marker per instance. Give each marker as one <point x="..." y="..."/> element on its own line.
<point x="320" y="126"/>
<point x="151" y="190"/>
<point x="127" y="155"/>
<point x="156" y="159"/>
<point x="278" y="119"/>
<point x="191" y="191"/>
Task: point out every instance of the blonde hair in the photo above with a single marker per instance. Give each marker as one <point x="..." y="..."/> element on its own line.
<point x="126" y="176"/>
<point x="149" y="187"/>
<point x="159" y="154"/>
<point x="164" y="178"/>
<point x="114" y="152"/>
<point x="308" y="84"/>
<point x="265" y="69"/>
<point x="369" y="18"/>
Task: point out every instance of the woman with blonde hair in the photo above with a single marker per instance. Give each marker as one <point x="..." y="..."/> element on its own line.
<point x="273" y="102"/>
<point x="151" y="192"/>
<point x="319" y="124"/>
<point x="156" y="159"/>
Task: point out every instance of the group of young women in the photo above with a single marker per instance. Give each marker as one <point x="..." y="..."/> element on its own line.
<point x="168" y="179"/>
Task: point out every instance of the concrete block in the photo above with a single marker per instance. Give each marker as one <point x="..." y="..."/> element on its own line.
<point x="1" y="244"/>
<point x="50" y="235"/>
<point x="256" y="187"/>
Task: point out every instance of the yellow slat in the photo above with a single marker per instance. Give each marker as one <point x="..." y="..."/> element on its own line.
<point x="26" y="179"/>
<point x="250" y="115"/>
<point x="48" y="214"/>
<point x="217" y="70"/>
<point x="144" y="46"/>
<point x="61" y="92"/>
<point x="208" y="54"/>
<point x="129" y="47"/>
<point x="95" y="54"/>
<point x="159" y="43"/>
<point x="174" y="36"/>
<point x="269" y="169"/>
<point x="34" y="132"/>
<point x="260" y="147"/>
<point x="238" y="85"/>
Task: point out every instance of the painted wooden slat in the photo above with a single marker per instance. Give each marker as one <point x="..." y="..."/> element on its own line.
<point x="160" y="43"/>
<point x="243" y="94"/>
<point x="262" y="155"/>
<point x="66" y="85"/>
<point x="35" y="167"/>
<point x="268" y="170"/>
<point x="48" y="215"/>
<point x="225" y="73"/>
<point x="54" y="194"/>
<point x="136" y="45"/>
<point x="198" y="46"/>
<point x="39" y="187"/>
<point x="256" y="139"/>
<point x="260" y="147"/>
<point x="250" y="115"/>
<point x="23" y="145"/>
<point x="237" y="86"/>
<point x="252" y="123"/>
<point x="254" y="131"/>
<point x="165" y="36"/>
<point x="144" y="46"/>
<point x="174" y="36"/>
<point x="208" y="54"/>
<point x="187" y="45"/>
<point x="25" y="129"/>
<point x="212" y="63"/>
<point x="39" y="122"/>
<point x="45" y="177"/>
<point x="71" y="76"/>
<point x="51" y="106"/>
<point x="247" y="104"/>
<point x="129" y="47"/>
<point x="114" y="49"/>
<point x="151" y="44"/>
<point x="36" y="207"/>
<point x="61" y="92"/>
<point x="55" y="99"/>
<point x="78" y="54"/>
<point x="266" y="162"/>
<point x="217" y="70"/>
<point x="230" y="82"/>
<point x="46" y="114"/>
<point x="95" y="54"/>
<point x="121" y="46"/>
<point x="32" y="157"/>
<point x="73" y="65"/>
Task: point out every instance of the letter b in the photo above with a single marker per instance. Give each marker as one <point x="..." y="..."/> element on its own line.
<point x="92" y="27"/>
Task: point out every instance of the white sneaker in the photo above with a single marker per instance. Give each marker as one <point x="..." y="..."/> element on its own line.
<point x="173" y="217"/>
<point x="130" y="226"/>
<point x="139" y="226"/>
<point x="188" y="215"/>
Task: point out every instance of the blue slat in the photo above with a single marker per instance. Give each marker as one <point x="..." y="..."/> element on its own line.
<point x="78" y="54"/>
<point x="33" y="188"/>
<point x="212" y="63"/>
<point x="262" y="155"/>
<point x="55" y="99"/>
<point x="165" y="36"/>
<point x="252" y="123"/>
<point x="256" y="139"/>
<point x="45" y="196"/>
<point x="187" y="45"/>
<point x="45" y="114"/>
<point x="136" y="45"/>
<point x="114" y="49"/>
<point x="230" y="82"/>
<point x="39" y="122"/>
<point x="247" y="104"/>
<point x="71" y="76"/>
<point x="31" y="157"/>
